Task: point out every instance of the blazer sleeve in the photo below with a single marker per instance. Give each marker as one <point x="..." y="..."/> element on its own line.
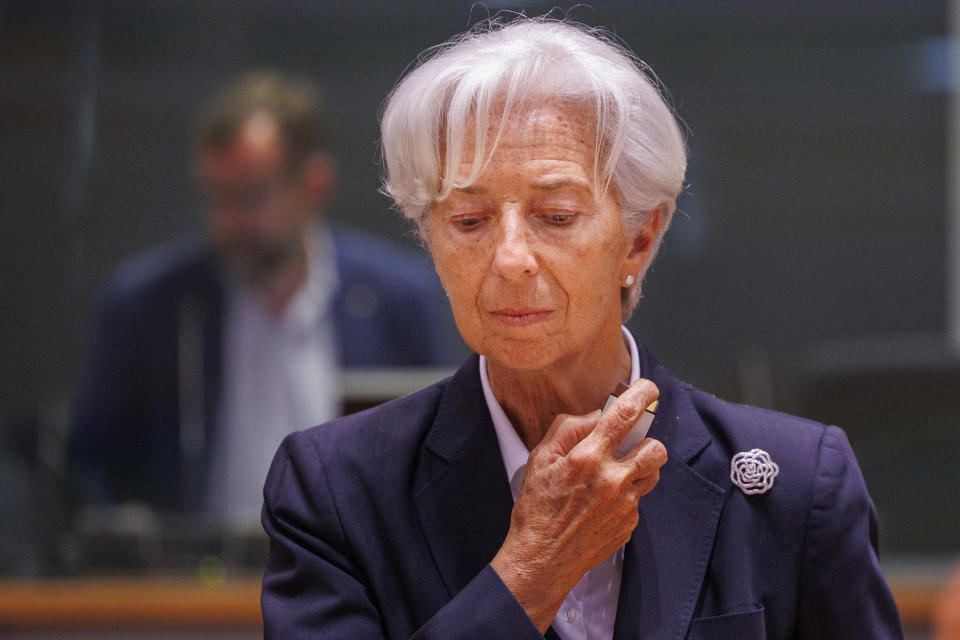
<point x="105" y="405"/>
<point x="315" y="587"/>
<point x="842" y="591"/>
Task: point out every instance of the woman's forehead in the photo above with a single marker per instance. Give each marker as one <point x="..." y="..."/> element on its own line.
<point x="530" y="122"/>
<point x="547" y="132"/>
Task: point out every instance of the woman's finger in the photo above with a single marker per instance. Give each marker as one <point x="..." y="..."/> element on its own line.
<point x="567" y="431"/>
<point x="617" y="421"/>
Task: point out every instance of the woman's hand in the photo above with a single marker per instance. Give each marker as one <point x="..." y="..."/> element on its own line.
<point x="578" y="503"/>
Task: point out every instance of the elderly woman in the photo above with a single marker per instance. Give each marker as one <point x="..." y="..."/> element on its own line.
<point x="541" y="166"/>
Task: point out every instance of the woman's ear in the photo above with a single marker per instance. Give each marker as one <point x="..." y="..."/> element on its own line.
<point x="643" y="243"/>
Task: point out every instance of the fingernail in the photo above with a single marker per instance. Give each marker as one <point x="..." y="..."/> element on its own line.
<point x="595" y="413"/>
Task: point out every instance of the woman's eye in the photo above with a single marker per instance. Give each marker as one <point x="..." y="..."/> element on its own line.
<point x="465" y="224"/>
<point x="559" y="219"/>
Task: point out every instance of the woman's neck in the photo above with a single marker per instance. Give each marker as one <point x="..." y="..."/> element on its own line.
<point x="576" y="385"/>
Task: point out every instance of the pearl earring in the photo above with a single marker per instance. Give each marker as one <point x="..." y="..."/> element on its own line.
<point x="629" y="280"/>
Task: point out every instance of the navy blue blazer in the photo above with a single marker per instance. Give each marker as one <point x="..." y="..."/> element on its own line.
<point x="382" y="525"/>
<point x="147" y="401"/>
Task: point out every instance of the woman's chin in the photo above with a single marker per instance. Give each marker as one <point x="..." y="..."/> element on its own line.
<point x="522" y="354"/>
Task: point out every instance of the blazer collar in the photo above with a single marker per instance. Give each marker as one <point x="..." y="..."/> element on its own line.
<point x="461" y="491"/>
<point x="463" y="500"/>
<point x="666" y="558"/>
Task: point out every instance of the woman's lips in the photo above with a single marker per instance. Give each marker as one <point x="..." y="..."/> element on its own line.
<point x="520" y="317"/>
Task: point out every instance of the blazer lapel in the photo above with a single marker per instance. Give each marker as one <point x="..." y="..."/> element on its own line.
<point x="461" y="492"/>
<point x="666" y="558"/>
<point x="198" y="332"/>
<point x="463" y="501"/>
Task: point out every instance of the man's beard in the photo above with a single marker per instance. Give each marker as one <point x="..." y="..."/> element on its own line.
<point x="256" y="261"/>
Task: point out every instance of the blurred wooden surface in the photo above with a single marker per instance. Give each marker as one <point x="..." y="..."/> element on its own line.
<point x="128" y="601"/>
<point x="916" y="602"/>
<point x="180" y="603"/>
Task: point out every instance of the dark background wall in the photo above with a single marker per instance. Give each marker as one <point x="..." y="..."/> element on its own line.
<point x="815" y="212"/>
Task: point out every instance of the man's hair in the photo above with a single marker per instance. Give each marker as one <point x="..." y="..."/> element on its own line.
<point x="293" y="101"/>
<point x="499" y="69"/>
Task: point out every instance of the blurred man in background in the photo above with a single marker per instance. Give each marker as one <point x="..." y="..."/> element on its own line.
<point x="207" y="352"/>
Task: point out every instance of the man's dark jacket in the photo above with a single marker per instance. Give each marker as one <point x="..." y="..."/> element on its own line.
<point x="148" y="397"/>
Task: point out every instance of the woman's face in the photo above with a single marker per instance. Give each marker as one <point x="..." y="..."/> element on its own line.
<point x="532" y="256"/>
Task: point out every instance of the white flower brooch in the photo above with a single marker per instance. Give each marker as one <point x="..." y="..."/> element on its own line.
<point x="753" y="471"/>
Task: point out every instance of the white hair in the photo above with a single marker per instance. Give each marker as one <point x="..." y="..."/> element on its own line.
<point x="498" y="70"/>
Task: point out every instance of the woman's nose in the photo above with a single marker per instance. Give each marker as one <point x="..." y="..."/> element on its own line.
<point x="514" y="255"/>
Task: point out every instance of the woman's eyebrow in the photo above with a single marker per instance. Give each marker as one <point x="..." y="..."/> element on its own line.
<point x="547" y="183"/>
<point x="551" y="183"/>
